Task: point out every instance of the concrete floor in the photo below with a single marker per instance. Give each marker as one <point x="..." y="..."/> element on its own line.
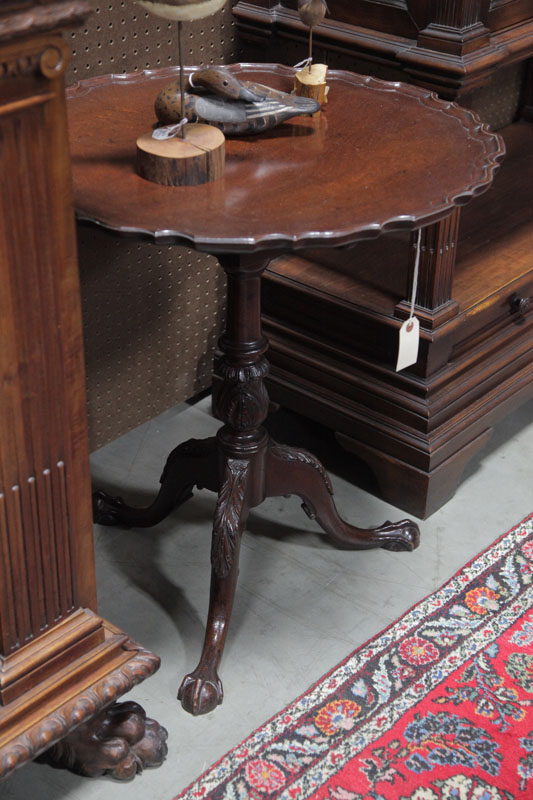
<point x="301" y="605"/>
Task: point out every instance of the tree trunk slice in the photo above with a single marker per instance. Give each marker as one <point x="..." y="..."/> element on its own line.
<point x="312" y="83"/>
<point x="199" y="158"/>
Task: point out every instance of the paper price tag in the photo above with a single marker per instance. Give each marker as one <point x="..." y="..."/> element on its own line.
<point x="408" y="344"/>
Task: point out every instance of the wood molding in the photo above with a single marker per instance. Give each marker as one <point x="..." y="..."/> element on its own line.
<point x="36" y="660"/>
<point x="43" y="17"/>
<point x="117" y="666"/>
<point x="420" y="422"/>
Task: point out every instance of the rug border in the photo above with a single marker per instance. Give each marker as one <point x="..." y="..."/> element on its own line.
<point x="367" y="643"/>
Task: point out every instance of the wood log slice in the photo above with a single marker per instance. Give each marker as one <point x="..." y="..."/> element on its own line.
<point x="198" y="158"/>
<point x="312" y="83"/>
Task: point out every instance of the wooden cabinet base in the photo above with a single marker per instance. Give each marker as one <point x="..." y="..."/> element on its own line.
<point x="417" y="472"/>
<point x="403" y="485"/>
<point x="67" y="719"/>
<point x="333" y="330"/>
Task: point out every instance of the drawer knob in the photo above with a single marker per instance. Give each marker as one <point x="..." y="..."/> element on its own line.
<point x="520" y="305"/>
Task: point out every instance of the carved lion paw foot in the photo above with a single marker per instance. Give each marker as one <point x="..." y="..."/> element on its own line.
<point x="199" y="695"/>
<point x="107" y="509"/>
<point x="120" y="741"/>
<point x="397" y="536"/>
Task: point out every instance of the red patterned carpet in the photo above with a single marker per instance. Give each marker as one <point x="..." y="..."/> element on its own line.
<point x="436" y="707"/>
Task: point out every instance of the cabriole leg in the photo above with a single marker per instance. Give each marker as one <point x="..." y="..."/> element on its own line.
<point x="292" y="471"/>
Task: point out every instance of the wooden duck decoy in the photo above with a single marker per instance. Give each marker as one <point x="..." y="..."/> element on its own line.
<point x="236" y="107"/>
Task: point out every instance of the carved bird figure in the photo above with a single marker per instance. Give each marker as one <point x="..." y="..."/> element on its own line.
<point x="312" y="11"/>
<point x="182" y="10"/>
<point x="236" y="107"/>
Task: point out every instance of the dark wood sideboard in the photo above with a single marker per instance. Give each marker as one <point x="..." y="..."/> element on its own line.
<point x="333" y="319"/>
<point x="61" y="665"/>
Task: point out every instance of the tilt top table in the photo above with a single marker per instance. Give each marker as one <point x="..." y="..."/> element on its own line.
<point x="381" y="157"/>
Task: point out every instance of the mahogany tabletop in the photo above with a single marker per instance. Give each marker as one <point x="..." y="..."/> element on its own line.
<point x="381" y="157"/>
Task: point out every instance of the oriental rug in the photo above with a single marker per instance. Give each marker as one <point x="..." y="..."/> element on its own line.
<point x="436" y="707"/>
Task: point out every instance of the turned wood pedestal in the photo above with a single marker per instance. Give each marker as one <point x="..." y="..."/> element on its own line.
<point x="352" y="173"/>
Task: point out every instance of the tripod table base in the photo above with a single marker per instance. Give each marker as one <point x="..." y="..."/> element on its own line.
<point x="242" y="483"/>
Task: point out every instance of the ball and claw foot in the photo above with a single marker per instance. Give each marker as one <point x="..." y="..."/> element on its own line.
<point x="200" y="695"/>
<point x="120" y="741"/>
<point x="107" y="509"/>
<point x="398" y="536"/>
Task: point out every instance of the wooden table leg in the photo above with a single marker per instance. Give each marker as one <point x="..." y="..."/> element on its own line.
<point x="291" y="471"/>
<point x="201" y="691"/>
<point x="241" y="401"/>
<point x="256" y="468"/>
<point x="192" y="463"/>
<point x="244" y="466"/>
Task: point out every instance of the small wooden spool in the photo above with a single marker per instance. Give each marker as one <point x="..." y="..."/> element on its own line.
<point x="198" y="158"/>
<point x="312" y="83"/>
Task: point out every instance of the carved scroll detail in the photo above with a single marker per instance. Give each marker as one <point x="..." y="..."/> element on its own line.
<point x="304" y="457"/>
<point x="53" y="60"/>
<point x="228" y="515"/>
<point x="60" y="722"/>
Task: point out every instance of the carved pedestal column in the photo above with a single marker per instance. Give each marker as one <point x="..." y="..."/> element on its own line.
<point x="241" y="402"/>
<point x="252" y="467"/>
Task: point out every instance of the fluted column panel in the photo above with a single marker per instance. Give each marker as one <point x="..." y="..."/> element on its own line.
<point x="45" y="517"/>
<point x="459" y="13"/>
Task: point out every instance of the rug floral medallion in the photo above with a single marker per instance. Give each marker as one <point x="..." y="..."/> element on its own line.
<point x="436" y="707"/>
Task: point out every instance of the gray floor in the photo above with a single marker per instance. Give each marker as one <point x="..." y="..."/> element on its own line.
<point x="301" y="605"/>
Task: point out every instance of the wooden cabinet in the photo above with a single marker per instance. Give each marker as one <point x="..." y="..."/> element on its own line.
<point x="61" y="664"/>
<point x="333" y="319"/>
<point x="452" y="46"/>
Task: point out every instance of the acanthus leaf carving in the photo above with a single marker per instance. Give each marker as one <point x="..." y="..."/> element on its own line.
<point x="228" y="515"/>
<point x="242" y="399"/>
<point x="304" y="457"/>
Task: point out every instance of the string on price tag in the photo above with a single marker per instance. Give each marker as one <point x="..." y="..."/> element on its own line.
<point x="169" y="131"/>
<point x="303" y="64"/>
<point x="410" y="329"/>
